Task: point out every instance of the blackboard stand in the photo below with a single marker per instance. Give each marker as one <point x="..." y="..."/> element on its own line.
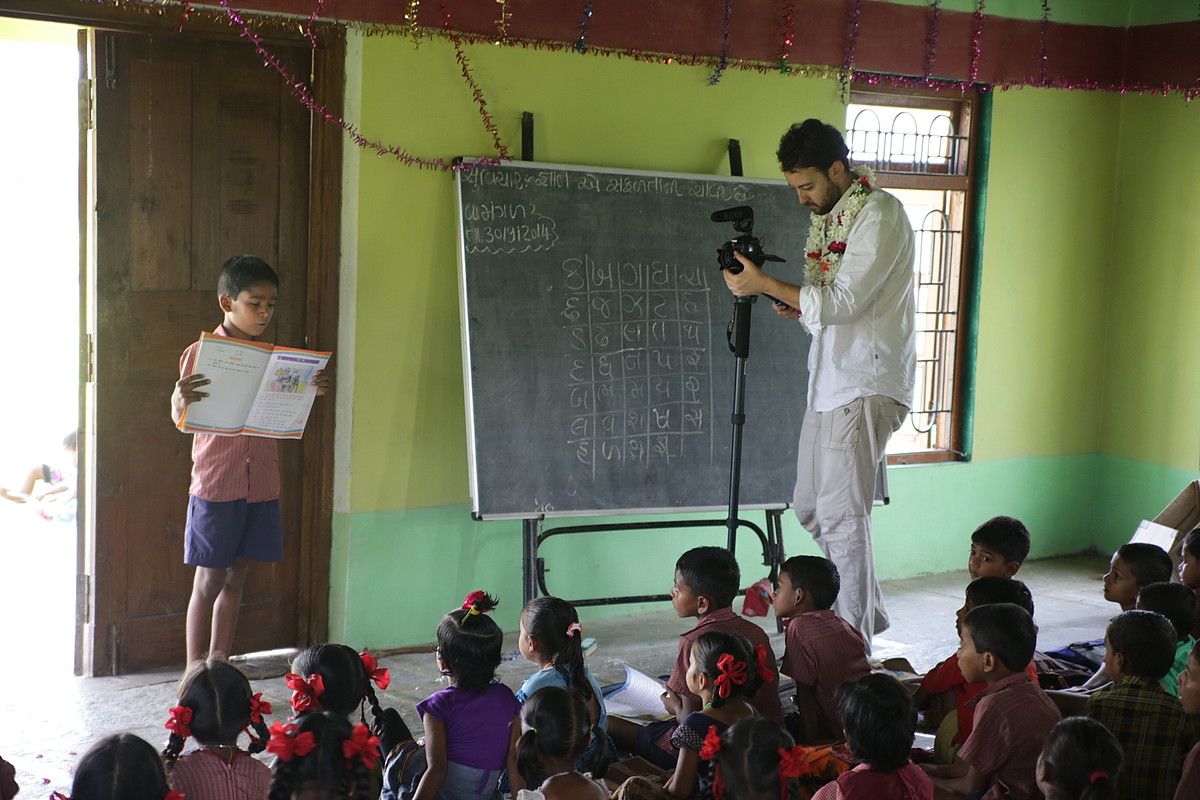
<point x="534" y="566"/>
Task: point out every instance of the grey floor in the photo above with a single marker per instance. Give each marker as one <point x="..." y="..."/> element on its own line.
<point x="46" y="722"/>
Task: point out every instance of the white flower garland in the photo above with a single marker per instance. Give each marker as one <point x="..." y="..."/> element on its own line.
<point x="827" y="234"/>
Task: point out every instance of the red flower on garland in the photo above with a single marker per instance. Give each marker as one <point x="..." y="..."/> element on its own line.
<point x="813" y="254"/>
<point x="837" y="247"/>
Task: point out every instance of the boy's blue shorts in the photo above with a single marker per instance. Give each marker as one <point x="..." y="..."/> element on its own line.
<point x="219" y="532"/>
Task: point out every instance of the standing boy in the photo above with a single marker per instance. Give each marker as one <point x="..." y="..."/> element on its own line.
<point x="821" y="650"/>
<point x="706" y="582"/>
<point x="233" y="502"/>
<point x="1012" y="715"/>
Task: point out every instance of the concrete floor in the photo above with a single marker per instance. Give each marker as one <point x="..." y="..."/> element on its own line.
<point x="45" y="723"/>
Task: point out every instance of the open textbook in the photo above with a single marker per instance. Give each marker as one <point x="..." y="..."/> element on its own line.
<point x="638" y="697"/>
<point x="256" y="389"/>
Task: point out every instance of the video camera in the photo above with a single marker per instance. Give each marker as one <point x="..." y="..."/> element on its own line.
<point x="747" y="243"/>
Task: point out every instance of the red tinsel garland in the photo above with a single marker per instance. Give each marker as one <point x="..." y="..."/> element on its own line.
<point x="312" y="18"/>
<point x="789" y="35"/>
<point x="715" y="77"/>
<point x="851" y="46"/>
<point x="932" y="24"/>
<point x="976" y="42"/>
<point x="1044" y="55"/>
<point x="581" y="42"/>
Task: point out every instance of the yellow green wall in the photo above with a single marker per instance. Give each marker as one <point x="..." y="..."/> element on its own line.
<point x="403" y="519"/>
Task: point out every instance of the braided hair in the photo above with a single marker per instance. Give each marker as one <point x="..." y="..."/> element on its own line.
<point x="219" y="696"/>
<point x="556" y="725"/>
<point x="469" y="643"/>
<point x="121" y="765"/>
<point x="749" y="758"/>
<point x="347" y="684"/>
<point x="325" y="767"/>
<point x="707" y="652"/>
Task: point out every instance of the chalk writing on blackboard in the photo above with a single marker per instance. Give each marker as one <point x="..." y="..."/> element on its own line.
<point x="495" y="228"/>
<point x="637" y="371"/>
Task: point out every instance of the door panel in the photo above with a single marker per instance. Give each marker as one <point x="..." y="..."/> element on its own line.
<point x="200" y="154"/>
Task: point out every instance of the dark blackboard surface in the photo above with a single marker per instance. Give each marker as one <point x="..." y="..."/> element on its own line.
<point x="597" y="373"/>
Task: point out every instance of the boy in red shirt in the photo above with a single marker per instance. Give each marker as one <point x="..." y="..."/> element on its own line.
<point x="233" y="501"/>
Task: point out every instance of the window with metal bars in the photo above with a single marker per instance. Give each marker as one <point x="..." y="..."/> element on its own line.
<point x="920" y="148"/>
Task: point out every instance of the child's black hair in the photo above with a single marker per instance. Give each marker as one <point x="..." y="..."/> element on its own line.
<point x="1174" y="601"/>
<point x="469" y="642"/>
<point x="326" y="764"/>
<point x="818" y="576"/>
<point x="1007" y="536"/>
<point x="879" y="719"/>
<point x="347" y="684"/>
<point x="1148" y="563"/>
<point x="557" y="725"/>
<point x="708" y="649"/>
<point x="1191" y="542"/>
<point x="1005" y="630"/>
<point x="219" y="696"/>
<point x="241" y="272"/>
<point x="1082" y="760"/>
<point x="121" y="765"/>
<point x="1147" y="641"/>
<point x="992" y="589"/>
<point x="749" y="757"/>
<point x="712" y="572"/>
<point x="554" y="623"/>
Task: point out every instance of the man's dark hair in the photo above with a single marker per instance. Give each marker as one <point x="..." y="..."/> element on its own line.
<point x="1006" y="631"/>
<point x="1147" y="641"/>
<point x="812" y="143"/>
<point x="879" y="718"/>
<point x="817" y="576"/>
<point x="1008" y="536"/>
<point x="1174" y="601"/>
<point x="242" y="272"/>
<point x="712" y="572"/>
<point x="991" y="589"/>
<point x="1148" y="563"/>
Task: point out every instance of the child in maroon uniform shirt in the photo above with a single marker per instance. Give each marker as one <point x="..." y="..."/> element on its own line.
<point x="707" y="580"/>
<point x="233" y="502"/>
<point x="822" y="650"/>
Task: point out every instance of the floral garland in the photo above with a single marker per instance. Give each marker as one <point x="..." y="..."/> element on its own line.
<point x="827" y="234"/>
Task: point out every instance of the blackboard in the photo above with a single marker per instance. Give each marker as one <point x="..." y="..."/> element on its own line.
<point x="598" y="378"/>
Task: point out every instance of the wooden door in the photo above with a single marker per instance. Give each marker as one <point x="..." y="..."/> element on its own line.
<point x="199" y="154"/>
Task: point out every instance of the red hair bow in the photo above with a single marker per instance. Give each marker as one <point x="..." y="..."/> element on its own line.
<point x="361" y="745"/>
<point x="473" y="598"/>
<point x="258" y="707"/>
<point x="305" y="692"/>
<point x="174" y="794"/>
<point x="286" y="744"/>
<point x="379" y="675"/>
<point x="180" y="721"/>
<point x="732" y="672"/>
<point x="764" y="669"/>
<point x="712" y="743"/>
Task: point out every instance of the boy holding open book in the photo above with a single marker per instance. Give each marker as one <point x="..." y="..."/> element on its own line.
<point x="233" y="504"/>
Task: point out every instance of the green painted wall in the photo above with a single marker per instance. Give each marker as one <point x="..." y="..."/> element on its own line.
<point x="407" y="504"/>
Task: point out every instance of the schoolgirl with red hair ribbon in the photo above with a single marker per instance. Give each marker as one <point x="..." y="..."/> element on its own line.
<point x="756" y="759"/>
<point x="216" y="705"/>
<point x="322" y="755"/>
<point x="337" y="678"/>
<point x="124" y="766"/>
<point x="724" y="674"/>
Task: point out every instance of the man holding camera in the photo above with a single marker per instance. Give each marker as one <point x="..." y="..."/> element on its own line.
<point x="857" y="302"/>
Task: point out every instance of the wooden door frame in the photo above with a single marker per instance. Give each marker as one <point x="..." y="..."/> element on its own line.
<point x="321" y="302"/>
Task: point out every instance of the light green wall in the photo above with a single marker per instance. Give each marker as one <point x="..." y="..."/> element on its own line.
<point x="1035" y="438"/>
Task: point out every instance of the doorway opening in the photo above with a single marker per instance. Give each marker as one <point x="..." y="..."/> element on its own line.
<point x="40" y="280"/>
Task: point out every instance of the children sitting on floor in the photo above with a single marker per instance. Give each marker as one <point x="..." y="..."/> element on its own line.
<point x="556" y="729"/>
<point x="468" y="725"/>
<point x="1012" y="716"/>
<point x="998" y="547"/>
<point x="1150" y="724"/>
<point x="724" y="673"/>
<point x="334" y="677"/>
<point x="757" y="760"/>
<point x="706" y="582"/>
<point x="879" y="719"/>
<point x="1189" y="698"/>
<point x="124" y="766"/>
<point x="215" y="706"/>
<point x="1081" y="761"/>
<point x="552" y="638"/>
<point x="1177" y="603"/>
<point x="944" y="689"/>
<point x="1189" y="569"/>
<point x="321" y="756"/>
<point x="821" y="650"/>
